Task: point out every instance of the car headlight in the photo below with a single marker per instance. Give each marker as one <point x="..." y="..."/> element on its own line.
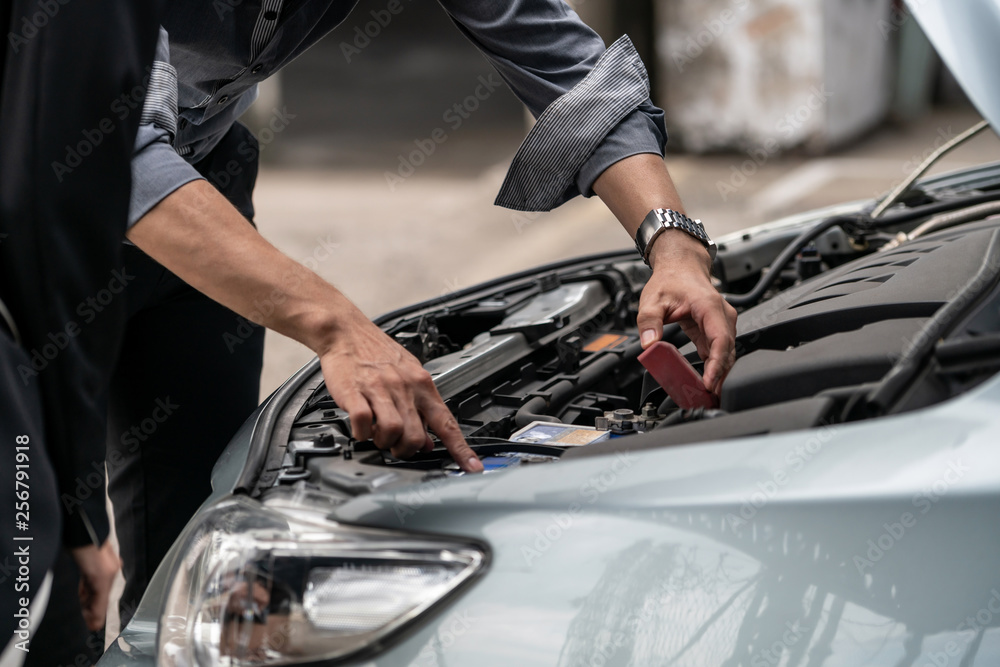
<point x="254" y="585"/>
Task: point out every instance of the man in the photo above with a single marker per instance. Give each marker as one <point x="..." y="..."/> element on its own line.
<point x="64" y="195"/>
<point x="599" y="134"/>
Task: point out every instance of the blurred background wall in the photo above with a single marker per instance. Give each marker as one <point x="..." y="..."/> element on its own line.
<point x="731" y="74"/>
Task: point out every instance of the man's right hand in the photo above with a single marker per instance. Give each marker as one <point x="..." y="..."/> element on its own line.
<point x="390" y="397"/>
<point x="199" y="236"/>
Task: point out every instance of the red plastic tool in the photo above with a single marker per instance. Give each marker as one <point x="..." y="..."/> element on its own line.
<point x="680" y="380"/>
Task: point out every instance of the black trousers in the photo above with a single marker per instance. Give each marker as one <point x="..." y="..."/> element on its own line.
<point x="186" y="380"/>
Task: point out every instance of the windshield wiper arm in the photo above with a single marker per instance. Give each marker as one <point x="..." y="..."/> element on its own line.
<point x="896" y="194"/>
<point x="900" y="377"/>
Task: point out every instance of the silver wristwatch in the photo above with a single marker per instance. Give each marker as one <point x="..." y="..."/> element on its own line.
<point x="661" y="219"/>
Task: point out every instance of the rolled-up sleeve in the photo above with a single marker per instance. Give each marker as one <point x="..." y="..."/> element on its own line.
<point x="157" y="169"/>
<point x="592" y="103"/>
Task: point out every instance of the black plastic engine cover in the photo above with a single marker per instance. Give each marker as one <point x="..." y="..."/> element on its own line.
<point x="849" y="325"/>
<point x="845" y="359"/>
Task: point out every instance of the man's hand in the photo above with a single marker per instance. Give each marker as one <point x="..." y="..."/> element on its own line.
<point x="681" y="291"/>
<point x="199" y="236"/>
<point x="98" y="568"/>
<point x="389" y="395"/>
<point x="681" y="288"/>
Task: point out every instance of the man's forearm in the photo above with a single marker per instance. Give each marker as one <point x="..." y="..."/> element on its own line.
<point x="197" y="234"/>
<point x="680" y="289"/>
<point x="635" y="186"/>
<point x="389" y="396"/>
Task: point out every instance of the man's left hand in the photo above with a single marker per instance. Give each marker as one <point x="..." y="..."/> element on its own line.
<point x="681" y="291"/>
<point x="98" y="568"/>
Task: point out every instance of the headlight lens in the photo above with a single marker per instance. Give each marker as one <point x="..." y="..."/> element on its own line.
<point x="259" y="586"/>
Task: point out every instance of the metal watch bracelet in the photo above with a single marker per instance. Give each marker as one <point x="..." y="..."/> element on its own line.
<point x="661" y="219"/>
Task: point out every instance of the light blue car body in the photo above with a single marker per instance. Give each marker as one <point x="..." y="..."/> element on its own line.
<point x="875" y="543"/>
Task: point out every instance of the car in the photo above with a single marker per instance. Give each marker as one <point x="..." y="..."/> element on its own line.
<point x="839" y="506"/>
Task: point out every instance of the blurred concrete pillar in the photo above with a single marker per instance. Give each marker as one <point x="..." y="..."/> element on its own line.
<point x="772" y="74"/>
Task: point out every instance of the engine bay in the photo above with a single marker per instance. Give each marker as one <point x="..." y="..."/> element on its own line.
<point x="543" y="366"/>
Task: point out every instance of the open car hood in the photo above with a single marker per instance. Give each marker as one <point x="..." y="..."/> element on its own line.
<point x="966" y="33"/>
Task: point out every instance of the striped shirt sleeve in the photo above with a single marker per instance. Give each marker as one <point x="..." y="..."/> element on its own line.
<point x="571" y="128"/>
<point x="592" y="103"/>
<point x="157" y="169"/>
